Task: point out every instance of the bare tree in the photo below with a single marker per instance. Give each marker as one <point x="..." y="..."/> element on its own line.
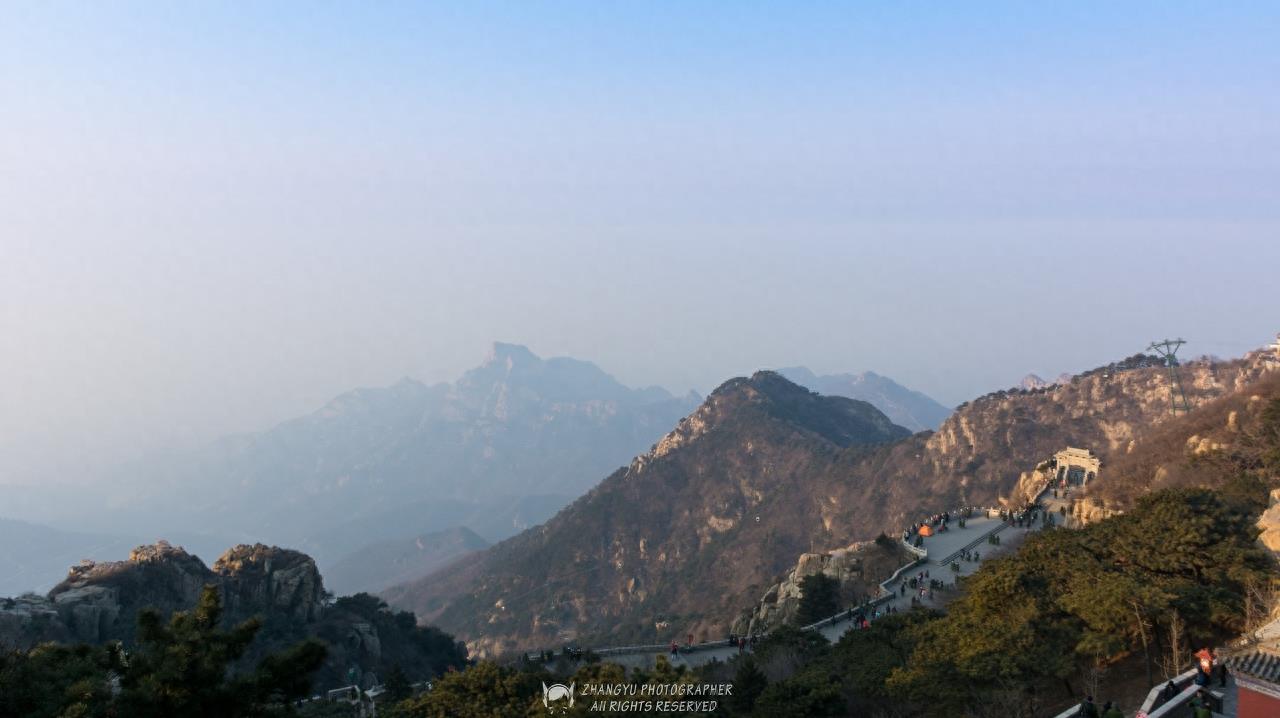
<point x="1176" y="655"/>
<point x="1093" y="677"/>
<point x="1260" y="605"/>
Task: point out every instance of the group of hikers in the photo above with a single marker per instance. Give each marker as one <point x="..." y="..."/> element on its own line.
<point x="1020" y="519"/>
<point x="743" y="643"/>
<point x="937" y="523"/>
<point x="862" y="616"/>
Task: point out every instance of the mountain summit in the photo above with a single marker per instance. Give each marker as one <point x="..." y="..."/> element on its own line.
<point x="513" y="440"/>
<point x="745" y="475"/>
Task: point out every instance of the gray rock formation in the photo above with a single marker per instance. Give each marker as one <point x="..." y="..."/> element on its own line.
<point x="271" y="579"/>
<point x="99" y="601"/>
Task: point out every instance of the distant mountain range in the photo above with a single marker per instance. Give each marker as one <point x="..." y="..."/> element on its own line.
<point x="903" y="406"/>
<point x="502" y="449"/>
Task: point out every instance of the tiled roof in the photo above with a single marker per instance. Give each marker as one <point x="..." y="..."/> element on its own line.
<point x="1257" y="664"/>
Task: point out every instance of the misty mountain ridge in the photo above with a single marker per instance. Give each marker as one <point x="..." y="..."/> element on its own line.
<point x="905" y="407"/>
<point x="501" y="449"/>
<point x="383" y="564"/>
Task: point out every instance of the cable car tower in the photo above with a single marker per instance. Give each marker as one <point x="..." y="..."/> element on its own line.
<point x="1168" y="351"/>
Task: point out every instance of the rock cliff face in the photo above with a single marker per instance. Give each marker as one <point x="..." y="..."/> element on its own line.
<point x="858" y="568"/>
<point x="1270" y="524"/>
<point x="1234" y="434"/>
<point x="271" y="580"/>
<point x="100" y="601"/>
<point x="985" y="447"/>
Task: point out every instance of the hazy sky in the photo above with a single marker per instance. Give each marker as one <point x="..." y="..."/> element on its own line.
<point x="216" y="216"/>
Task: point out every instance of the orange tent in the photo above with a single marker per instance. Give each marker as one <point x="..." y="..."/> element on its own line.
<point x="926" y="530"/>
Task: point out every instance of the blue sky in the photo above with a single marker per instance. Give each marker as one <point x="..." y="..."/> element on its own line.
<point x="215" y="216"/>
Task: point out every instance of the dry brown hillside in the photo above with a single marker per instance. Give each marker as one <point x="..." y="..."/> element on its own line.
<point x="1217" y="443"/>
<point x="691" y="532"/>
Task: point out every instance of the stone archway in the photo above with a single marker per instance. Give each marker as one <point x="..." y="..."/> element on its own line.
<point x="1076" y="467"/>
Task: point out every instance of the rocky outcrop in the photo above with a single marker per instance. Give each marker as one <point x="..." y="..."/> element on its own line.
<point x="99" y="601"/>
<point x="781" y="601"/>
<point x="1091" y="510"/>
<point x="267" y="578"/>
<point x="1269" y="522"/>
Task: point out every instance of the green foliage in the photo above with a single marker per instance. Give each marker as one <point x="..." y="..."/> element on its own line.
<point x="1269" y="435"/>
<point x="419" y="652"/>
<point x="51" y="681"/>
<point x="1248" y="491"/>
<point x="485" y="690"/>
<point x="811" y="694"/>
<point x="748" y="683"/>
<point x="791" y="641"/>
<point x="397" y="684"/>
<point x="1064" y="601"/>
<point x="819" y="598"/>
<point x="1090" y="596"/>
<point x="184" y="668"/>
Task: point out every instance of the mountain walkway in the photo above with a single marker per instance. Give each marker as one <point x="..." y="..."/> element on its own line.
<point x="935" y="557"/>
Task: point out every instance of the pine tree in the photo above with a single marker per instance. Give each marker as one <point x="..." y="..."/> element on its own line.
<point x="819" y="598"/>
<point x="185" y="668"/>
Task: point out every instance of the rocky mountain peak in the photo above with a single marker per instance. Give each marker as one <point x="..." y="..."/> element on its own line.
<point x="99" y="600"/>
<point x="768" y="397"/>
<point x="245" y="559"/>
<point x="159" y="551"/>
<point x="511" y="356"/>
<point x="1033" y="381"/>
<point x="285" y="580"/>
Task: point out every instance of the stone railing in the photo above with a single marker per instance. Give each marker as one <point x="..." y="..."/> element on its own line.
<point x="1153" y="706"/>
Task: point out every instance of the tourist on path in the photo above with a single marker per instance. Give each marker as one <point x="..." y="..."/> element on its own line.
<point x="1089" y="709"/>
